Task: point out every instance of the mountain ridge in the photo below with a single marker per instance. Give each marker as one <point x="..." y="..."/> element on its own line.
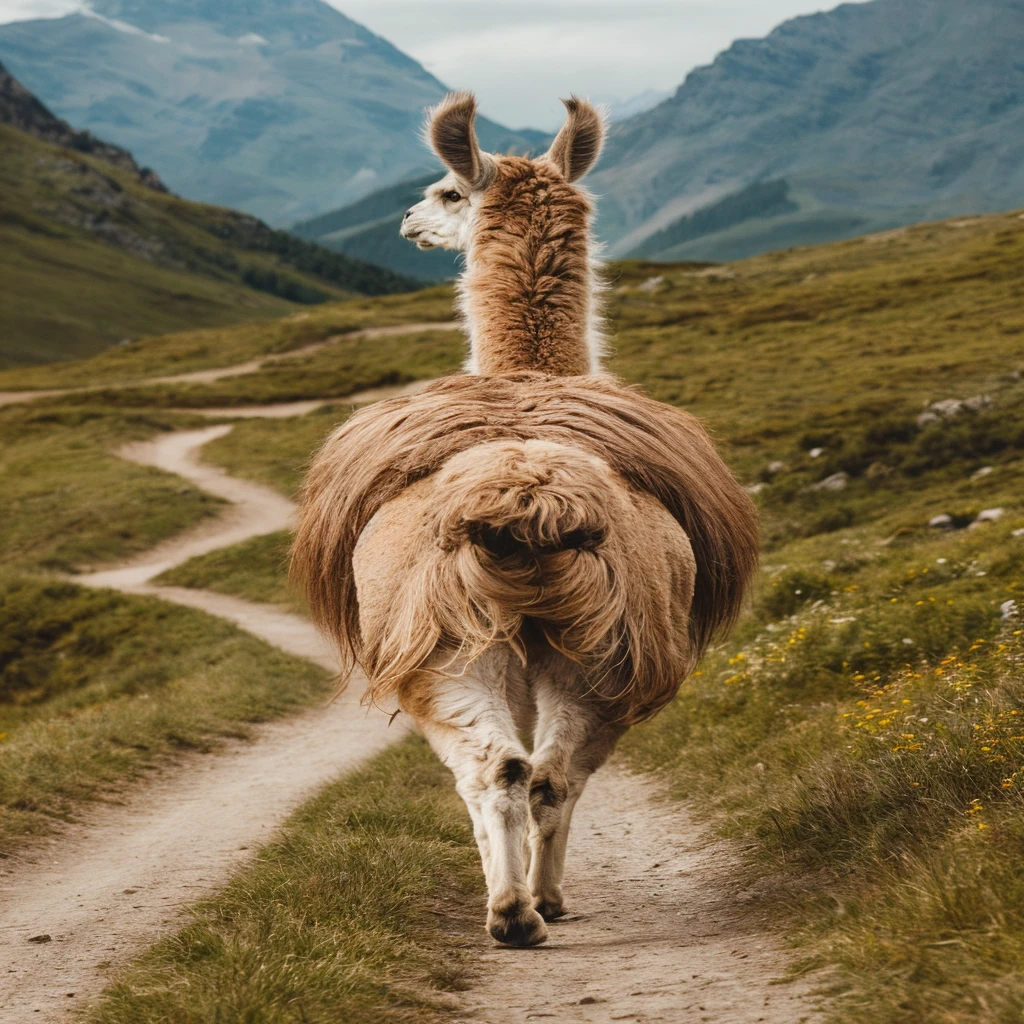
<point x="282" y="109"/>
<point x="889" y="112"/>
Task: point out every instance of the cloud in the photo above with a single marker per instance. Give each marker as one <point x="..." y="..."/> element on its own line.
<point x="21" y="10"/>
<point x="519" y="56"/>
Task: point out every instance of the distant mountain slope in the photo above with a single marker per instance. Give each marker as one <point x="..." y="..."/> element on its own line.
<point x="284" y="108"/>
<point x="93" y="249"/>
<point x="876" y="114"/>
<point x="368" y="229"/>
<point x="20" y="109"/>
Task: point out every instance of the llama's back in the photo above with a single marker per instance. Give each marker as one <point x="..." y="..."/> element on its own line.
<point x="452" y="518"/>
<point x="527" y="542"/>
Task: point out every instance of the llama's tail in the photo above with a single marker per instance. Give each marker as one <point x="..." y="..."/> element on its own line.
<point x="522" y="530"/>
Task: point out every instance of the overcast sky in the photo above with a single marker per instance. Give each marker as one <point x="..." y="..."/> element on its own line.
<point x="519" y="56"/>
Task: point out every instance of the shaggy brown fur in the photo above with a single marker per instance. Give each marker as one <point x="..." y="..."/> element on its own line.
<point x="578" y="145"/>
<point x="528" y="286"/>
<point x="507" y="523"/>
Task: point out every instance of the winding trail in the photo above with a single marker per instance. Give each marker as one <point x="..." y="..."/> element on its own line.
<point x="660" y="929"/>
<point x="109" y="887"/>
<point x="238" y="370"/>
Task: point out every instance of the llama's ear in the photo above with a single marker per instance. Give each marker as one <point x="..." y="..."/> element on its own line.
<point x="578" y="145"/>
<point x="453" y="138"/>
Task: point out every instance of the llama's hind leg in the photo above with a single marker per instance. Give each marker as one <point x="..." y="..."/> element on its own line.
<point x="468" y="720"/>
<point x="572" y="742"/>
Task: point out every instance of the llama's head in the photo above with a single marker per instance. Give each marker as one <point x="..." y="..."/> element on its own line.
<point x="448" y="213"/>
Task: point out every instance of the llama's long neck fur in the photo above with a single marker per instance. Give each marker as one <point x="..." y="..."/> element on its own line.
<point x="528" y="294"/>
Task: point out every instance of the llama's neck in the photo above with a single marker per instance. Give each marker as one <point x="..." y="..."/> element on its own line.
<point x="528" y="294"/>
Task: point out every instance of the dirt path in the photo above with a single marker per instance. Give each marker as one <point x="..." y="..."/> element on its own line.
<point x="658" y="930"/>
<point x="238" y="370"/>
<point x="108" y="888"/>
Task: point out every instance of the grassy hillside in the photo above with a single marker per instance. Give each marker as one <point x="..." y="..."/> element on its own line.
<point x="207" y="348"/>
<point x="90" y="256"/>
<point x="859" y="732"/>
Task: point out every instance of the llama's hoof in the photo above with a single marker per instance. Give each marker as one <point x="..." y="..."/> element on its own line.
<point x="551" y="910"/>
<point x="517" y="925"/>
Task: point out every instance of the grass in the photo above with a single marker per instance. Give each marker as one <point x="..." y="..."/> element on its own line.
<point x="354" y="913"/>
<point x="274" y="452"/>
<point x="256" y="570"/>
<point x="860" y="736"/>
<point x="96" y="688"/>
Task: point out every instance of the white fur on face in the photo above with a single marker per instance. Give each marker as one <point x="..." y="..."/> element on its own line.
<point x="444" y="218"/>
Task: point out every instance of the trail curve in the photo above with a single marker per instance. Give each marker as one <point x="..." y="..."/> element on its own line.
<point x="107" y="888"/>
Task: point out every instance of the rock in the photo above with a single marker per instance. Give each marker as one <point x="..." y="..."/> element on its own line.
<point x="756" y="488"/>
<point x="941" y="522"/>
<point x="950" y="408"/>
<point x="990" y="515"/>
<point x="40" y="938"/>
<point x="778" y="466"/>
<point x="589" y="1001"/>
<point x="651" y="284"/>
<point x="816" y="452"/>
<point x="1018" y="533"/>
<point x="1008" y="610"/>
<point x="978" y="474"/>
<point x="835" y="482"/>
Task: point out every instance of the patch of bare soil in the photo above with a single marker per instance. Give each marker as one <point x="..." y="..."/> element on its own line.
<point x="659" y="929"/>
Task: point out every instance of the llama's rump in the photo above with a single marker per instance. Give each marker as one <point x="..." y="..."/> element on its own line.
<point x="656" y="449"/>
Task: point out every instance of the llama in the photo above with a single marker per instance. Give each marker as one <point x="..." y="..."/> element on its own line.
<point x="530" y="557"/>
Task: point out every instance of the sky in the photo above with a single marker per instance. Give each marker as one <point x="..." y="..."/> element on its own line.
<point x="519" y="56"/>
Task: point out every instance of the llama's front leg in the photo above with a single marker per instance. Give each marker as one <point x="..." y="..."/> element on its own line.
<point x="468" y="722"/>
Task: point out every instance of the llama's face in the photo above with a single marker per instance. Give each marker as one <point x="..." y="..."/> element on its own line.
<point x="447" y="214"/>
<point x="444" y="218"/>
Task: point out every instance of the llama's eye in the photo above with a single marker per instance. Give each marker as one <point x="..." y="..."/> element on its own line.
<point x="452" y="197"/>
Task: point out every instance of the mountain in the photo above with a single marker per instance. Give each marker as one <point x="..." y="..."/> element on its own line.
<point x="619" y="109"/>
<point x="21" y="110"/>
<point x="94" y="248"/>
<point x="368" y="229"/>
<point x="283" y="108"/>
<point x="874" y="115"/>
